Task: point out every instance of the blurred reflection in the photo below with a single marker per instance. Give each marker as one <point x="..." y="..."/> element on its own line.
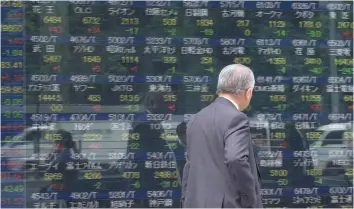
<point x="67" y="179"/>
<point x="334" y="154"/>
<point x="158" y="170"/>
<point x="62" y="178"/>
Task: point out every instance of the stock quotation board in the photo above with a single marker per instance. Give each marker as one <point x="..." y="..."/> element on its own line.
<point x="95" y="96"/>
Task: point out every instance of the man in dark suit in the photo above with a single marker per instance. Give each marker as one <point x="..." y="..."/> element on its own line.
<point x="221" y="169"/>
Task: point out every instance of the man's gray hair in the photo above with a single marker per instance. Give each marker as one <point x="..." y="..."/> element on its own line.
<point x="234" y="79"/>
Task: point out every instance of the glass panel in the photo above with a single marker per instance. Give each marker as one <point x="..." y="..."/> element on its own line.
<point x="109" y="87"/>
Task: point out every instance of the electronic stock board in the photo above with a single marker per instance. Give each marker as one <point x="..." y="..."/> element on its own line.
<point x="122" y="76"/>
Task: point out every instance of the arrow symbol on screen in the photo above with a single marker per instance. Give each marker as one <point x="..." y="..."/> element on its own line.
<point x="134" y="69"/>
<point x="282" y="70"/>
<point x="348" y="34"/>
<point x="210" y="69"/>
<point x="97" y="108"/>
<point x="316" y="70"/>
<point x="96" y="68"/>
<point x="172" y="107"/>
<point x="6" y="77"/>
<point x="56" y="68"/>
<point x="316" y="107"/>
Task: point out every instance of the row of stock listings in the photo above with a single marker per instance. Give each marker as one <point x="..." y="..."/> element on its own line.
<point x="93" y="68"/>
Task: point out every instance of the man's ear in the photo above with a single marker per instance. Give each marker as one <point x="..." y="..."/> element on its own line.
<point x="249" y="93"/>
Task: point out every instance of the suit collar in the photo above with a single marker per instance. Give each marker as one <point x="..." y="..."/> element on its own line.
<point x="226" y="102"/>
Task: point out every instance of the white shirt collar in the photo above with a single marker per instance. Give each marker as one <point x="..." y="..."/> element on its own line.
<point x="232" y="102"/>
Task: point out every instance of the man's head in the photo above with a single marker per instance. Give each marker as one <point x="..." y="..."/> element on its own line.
<point x="236" y="82"/>
<point x="154" y="102"/>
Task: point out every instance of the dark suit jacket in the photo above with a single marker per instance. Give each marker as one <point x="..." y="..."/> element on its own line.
<point x="221" y="169"/>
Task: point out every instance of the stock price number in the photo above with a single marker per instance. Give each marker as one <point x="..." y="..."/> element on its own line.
<point x="133" y="145"/>
<point x="130" y="136"/>
<point x="206" y="60"/>
<point x="278" y="135"/>
<point x="169" y="184"/>
<point x="310" y="24"/>
<point x="131" y="175"/>
<point x="348" y="172"/>
<point x="129" y="98"/>
<point x="277" y="24"/>
<point x="13" y="102"/>
<point x="207" y="98"/>
<point x="94" y="98"/>
<point x="91" y="20"/>
<point x="243" y="60"/>
<point x="13" y="188"/>
<point x="14" y="3"/>
<point x="169" y="22"/>
<point x="11" y="89"/>
<point x="313" y="135"/>
<point x="282" y="182"/>
<point x="314" y="172"/>
<point x="56" y="107"/>
<point x="52" y="58"/>
<point x="92" y="59"/>
<point x="14" y="52"/>
<point x="169" y="60"/>
<point x="53" y="137"/>
<point x="53" y="176"/>
<point x="130" y="60"/>
<point x="278" y="173"/>
<point x="92" y="137"/>
<point x="9" y="201"/>
<point x="129" y="21"/>
<point x="277" y="61"/>
<point x="165" y="175"/>
<point x="312" y="61"/>
<point x="204" y="22"/>
<point x="50" y="98"/>
<point x="314" y="34"/>
<point x="348" y="135"/>
<point x="277" y="98"/>
<point x="52" y="19"/>
<point x="6" y="65"/>
<point x="311" y="98"/>
<point x="345" y="25"/>
<point x="13" y="114"/>
<point x="169" y="98"/>
<point x="92" y="175"/>
<point x="348" y="98"/>
<point x="12" y="28"/>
